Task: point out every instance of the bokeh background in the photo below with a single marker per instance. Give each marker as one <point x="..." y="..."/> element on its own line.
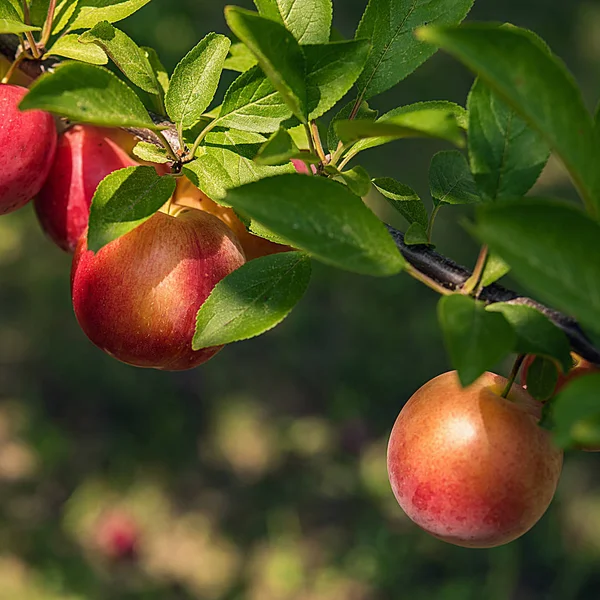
<point x="261" y="475"/>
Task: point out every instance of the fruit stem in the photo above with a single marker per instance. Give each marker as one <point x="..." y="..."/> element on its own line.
<point x="311" y="142"/>
<point x="170" y="153"/>
<point x="513" y="375"/>
<point x="47" y="30"/>
<point x="28" y="34"/>
<point x="474" y="282"/>
<point x="202" y="135"/>
<point x="434" y="214"/>
<point x="428" y="281"/>
<point x="318" y="143"/>
<point x="13" y="67"/>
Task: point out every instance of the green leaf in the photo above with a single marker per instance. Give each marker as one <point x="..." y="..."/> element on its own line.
<point x="495" y="269"/>
<point x="253" y="104"/>
<point x="89" y="94"/>
<point x="90" y="12"/>
<point x="553" y="250"/>
<point x="11" y="26"/>
<point x="240" y="58"/>
<point x="506" y="155"/>
<point x="390" y="24"/>
<point x="10" y="11"/>
<point x="125" y="53"/>
<point x="416" y="235"/>
<point x="426" y="119"/>
<point x="450" y="179"/>
<point x="150" y="153"/>
<point x="279" y="55"/>
<point x="280" y="148"/>
<point x="65" y="10"/>
<point x="404" y="199"/>
<point x="308" y="20"/>
<point x="323" y="218"/>
<point x="538" y="86"/>
<point x="332" y="69"/>
<point x="69" y="46"/>
<point x="475" y="338"/>
<point x="542" y="378"/>
<point x="123" y="201"/>
<point x="252" y="300"/>
<point x="576" y="412"/>
<point x="161" y="74"/>
<point x="218" y="169"/>
<point x="536" y="334"/>
<point x="357" y="180"/>
<point x="364" y="113"/>
<point x="195" y="80"/>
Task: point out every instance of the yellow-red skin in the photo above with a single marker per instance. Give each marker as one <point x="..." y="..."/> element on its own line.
<point x="27" y="147"/>
<point x="580" y="367"/>
<point x="470" y="467"/>
<point x="137" y="298"/>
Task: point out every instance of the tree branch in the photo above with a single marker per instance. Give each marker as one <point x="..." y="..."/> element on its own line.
<point x="433" y="266"/>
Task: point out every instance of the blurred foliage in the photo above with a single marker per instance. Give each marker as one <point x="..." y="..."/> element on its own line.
<point x="261" y="475"/>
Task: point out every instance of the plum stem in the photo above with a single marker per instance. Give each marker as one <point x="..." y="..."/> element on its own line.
<point x="513" y="375"/>
<point x="47" y="30"/>
<point x="473" y="284"/>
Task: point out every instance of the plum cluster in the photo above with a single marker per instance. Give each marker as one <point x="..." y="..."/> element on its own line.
<point x="138" y="297"/>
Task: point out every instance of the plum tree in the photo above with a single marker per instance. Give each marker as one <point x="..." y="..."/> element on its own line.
<point x="188" y="195"/>
<point x="27" y="147"/>
<point x="137" y="298"/>
<point x="84" y="157"/>
<point x="469" y="466"/>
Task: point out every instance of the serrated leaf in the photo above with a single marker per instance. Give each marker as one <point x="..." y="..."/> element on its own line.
<point x="253" y="104"/>
<point x="322" y="218"/>
<point x="538" y="86"/>
<point x="240" y="58"/>
<point x="404" y="199"/>
<point x="69" y="46"/>
<point x="195" y="80"/>
<point x="150" y="153"/>
<point x="475" y="338"/>
<point x="123" y="201"/>
<point x="450" y="179"/>
<point x="308" y="20"/>
<point x="332" y="69"/>
<point x="277" y="150"/>
<point x="89" y="94"/>
<point x="506" y="155"/>
<point x="542" y="378"/>
<point x="536" y="334"/>
<point x="430" y="118"/>
<point x="495" y="269"/>
<point x="65" y="10"/>
<point x="552" y="248"/>
<point x="125" y="53"/>
<point x="219" y="169"/>
<point x="390" y="24"/>
<point x="364" y="113"/>
<point x="252" y="300"/>
<point x="416" y="235"/>
<point x="278" y="53"/>
<point x="247" y="143"/>
<point x="357" y="180"/>
<point x="576" y="412"/>
<point x="13" y="26"/>
<point x="90" y="12"/>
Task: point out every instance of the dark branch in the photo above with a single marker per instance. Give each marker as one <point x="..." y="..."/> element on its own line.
<point x="452" y="277"/>
<point x="434" y="266"/>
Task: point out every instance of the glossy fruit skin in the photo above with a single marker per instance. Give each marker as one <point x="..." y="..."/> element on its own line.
<point x="84" y="157"/>
<point x="188" y="195"/>
<point x="27" y="147"/>
<point x="470" y="467"/>
<point x="137" y="298"/>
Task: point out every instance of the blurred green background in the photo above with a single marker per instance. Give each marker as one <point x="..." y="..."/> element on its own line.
<point x="261" y="475"/>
